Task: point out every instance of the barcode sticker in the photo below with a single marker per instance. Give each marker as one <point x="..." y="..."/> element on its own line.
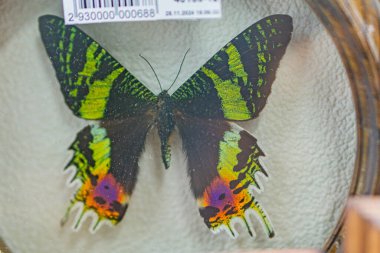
<point x="101" y="11"/>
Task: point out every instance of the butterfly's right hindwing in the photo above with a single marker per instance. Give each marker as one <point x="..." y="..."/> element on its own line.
<point x="94" y="84"/>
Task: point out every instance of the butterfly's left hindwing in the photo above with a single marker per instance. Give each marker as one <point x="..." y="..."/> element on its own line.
<point x="105" y="159"/>
<point x="94" y="84"/>
<point x="223" y="165"/>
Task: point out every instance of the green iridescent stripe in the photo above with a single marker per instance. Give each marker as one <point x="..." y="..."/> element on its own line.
<point x="229" y="150"/>
<point x="96" y="157"/>
<point x="94" y="104"/>
<point x="233" y="105"/>
<point x="235" y="64"/>
<point x="230" y="167"/>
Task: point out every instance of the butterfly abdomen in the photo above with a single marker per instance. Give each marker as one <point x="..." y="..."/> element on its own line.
<point x="165" y="124"/>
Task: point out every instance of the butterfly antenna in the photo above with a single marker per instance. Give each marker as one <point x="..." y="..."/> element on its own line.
<point x="180" y="67"/>
<point x="159" y="83"/>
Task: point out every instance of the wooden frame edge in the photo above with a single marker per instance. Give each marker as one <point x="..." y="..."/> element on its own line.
<point x="354" y="25"/>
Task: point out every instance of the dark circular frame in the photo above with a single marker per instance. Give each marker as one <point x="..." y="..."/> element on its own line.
<point x="354" y="25"/>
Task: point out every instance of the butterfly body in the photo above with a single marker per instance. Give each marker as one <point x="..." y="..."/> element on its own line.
<point x="223" y="158"/>
<point x="165" y="123"/>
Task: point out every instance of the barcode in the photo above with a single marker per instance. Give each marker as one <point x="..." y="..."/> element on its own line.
<point x="100" y="11"/>
<point x="96" y="4"/>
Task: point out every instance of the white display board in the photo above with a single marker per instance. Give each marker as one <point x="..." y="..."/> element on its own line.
<point x="307" y="131"/>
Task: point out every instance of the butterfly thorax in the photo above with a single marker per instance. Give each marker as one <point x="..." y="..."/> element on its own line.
<point x="165" y="124"/>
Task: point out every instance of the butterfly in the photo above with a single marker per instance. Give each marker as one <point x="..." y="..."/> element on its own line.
<point x="223" y="158"/>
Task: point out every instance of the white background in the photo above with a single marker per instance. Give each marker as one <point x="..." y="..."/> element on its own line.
<point x="307" y="131"/>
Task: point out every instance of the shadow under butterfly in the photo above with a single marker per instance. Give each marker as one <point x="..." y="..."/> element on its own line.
<point x="223" y="158"/>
